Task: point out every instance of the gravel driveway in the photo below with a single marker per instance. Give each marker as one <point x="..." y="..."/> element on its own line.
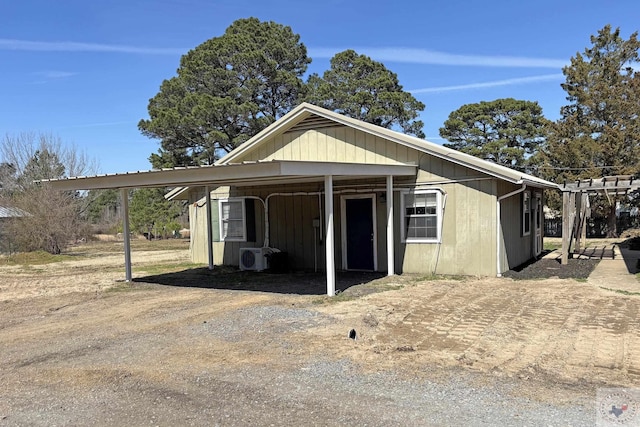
<point x="78" y="348"/>
<point x="158" y="356"/>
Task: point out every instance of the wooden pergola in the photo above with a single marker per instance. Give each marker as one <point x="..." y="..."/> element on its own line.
<point x="575" y="206"/>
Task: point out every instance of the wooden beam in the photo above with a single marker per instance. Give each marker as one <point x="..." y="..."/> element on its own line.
<point x="578" y="223"/>
<point x="566" y="228"/>
<point x="581" y="221"/>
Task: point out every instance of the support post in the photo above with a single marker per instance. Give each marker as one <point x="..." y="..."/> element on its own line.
<point x="578" y="224"/>
<point x="329" y="235"/>
<point x="566" y="228"/>
<point x="209" y="227"/>
<point x="390" y="241"/>
<point x="587" y="214"/>
<point x="126" y="234"/>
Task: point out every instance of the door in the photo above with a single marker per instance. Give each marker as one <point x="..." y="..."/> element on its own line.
<point x="537" y="224"/>
<point x="359" y="233"/>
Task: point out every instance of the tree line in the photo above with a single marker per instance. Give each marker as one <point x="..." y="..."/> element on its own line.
<point x="230" y="87"/>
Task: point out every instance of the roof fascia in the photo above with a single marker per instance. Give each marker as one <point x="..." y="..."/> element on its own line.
<point x="228" y="174"/>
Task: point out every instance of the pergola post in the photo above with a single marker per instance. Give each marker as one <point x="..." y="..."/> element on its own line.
<point x="209" y="227"/>
<point x="568" y="222"/>
<point x="581" y="225"/>
<point x="390" y="241"/>
<point x="329" y="238"/>
<point x="586" y="213"/>
<point x="126" y="233"/>
<point x="578" y="224"/>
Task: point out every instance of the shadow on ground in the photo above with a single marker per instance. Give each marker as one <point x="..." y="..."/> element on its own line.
<point x="630" y="251"/>
<point x="301" y="283"/>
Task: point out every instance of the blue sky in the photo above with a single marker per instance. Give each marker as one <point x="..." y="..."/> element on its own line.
<point x="85" y="70"/>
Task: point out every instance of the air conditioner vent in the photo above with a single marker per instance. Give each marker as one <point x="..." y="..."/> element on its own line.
<point x="254" y="259"/>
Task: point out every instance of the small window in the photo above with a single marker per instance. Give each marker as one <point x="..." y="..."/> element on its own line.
<point x="421" y="217"/>
<point x="232" y="220"/>
<point x="526" y="213"/>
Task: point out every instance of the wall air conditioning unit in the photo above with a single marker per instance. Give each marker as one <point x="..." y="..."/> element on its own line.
<point x="254" y="259"/>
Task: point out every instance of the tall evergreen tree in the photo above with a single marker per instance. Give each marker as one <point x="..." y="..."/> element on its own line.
<point x="598" y="133"/>
<point x="226" y="90"/>
<point x="151" y="213"/>
<point x="362" y="88"/>
<point x="504" y="131"/>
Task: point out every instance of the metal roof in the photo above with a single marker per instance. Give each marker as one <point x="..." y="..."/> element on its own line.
<point x="226" y="172"/>
<point x="303" y="113"/>
<point x="7" y="212"/>
<point x="247" y="173"/>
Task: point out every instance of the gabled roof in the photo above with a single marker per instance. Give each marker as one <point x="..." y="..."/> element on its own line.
<point x="306" y="110"/>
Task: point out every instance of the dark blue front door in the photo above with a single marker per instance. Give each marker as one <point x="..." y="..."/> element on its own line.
<point x="359" y="223"/>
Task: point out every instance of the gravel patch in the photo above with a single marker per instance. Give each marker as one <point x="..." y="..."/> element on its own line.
<point x="547" y="268"/>
<point x="269" y="320"/>
<point x="386" y="399"/>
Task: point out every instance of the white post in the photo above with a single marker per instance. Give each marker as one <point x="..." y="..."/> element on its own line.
<point x="126" y="234"/>
<point x="329" y="238"/>
<point x="390" y="242"/>
<point x="209" y="225"/>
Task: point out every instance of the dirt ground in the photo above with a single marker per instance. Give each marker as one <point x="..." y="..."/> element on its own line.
<point x="77" y="342"/>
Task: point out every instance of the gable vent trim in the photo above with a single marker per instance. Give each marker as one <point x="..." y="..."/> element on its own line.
<point x="314" y="122"/>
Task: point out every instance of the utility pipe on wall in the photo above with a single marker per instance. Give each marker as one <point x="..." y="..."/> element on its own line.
<point x="209" y="228"/>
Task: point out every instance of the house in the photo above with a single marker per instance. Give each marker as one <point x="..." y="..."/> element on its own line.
<point x="332" y="192"/>
<point x="453" y="213"/>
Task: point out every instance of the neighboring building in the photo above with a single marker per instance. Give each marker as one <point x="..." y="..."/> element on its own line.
<point x="453" y="213"/>
<point x="7" y="213"/>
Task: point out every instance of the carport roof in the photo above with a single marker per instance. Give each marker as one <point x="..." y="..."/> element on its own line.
<point x="247" y="173"/>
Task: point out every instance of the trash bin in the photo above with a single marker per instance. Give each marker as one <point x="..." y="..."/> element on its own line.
<point x="278" y="262"/>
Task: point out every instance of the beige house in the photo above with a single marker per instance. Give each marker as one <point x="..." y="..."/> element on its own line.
<point x="334" y="193"/>
<point x="399" y="203"/>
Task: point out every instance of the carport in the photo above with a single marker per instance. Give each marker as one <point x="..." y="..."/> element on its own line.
<point x="274" y="172"/>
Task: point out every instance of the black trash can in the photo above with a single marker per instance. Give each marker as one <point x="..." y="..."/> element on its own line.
<point x="278" y="262"/>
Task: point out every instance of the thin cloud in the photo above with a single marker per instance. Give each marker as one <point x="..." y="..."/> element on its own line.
<point x="433" y="57"/>
<point x="495" y="83"/>
<point x="52" y="74"/>
<point x="40" y="46"/>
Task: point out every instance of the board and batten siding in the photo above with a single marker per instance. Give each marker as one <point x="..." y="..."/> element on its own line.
<point x="224" y="253"/>
<point x="290" y="224"/>
<point x="331" y="144"/>
<point x="469" y="223"/>
<point x="516" y="249"/>
<point x="468" y="234"/>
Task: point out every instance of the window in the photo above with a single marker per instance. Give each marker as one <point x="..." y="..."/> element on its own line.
<point x="526" y="213"/>
<point x="232" y="220"/>
<point x="421" y="216"/>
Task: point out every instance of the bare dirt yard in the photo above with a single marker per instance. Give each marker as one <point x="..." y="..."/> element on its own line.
<point x="185" y="346"/>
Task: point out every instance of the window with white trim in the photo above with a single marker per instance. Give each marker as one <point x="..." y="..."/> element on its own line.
<point x="526" y="213"/>
<point x="421" y="216"/>
<point x="232" y="220"/>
